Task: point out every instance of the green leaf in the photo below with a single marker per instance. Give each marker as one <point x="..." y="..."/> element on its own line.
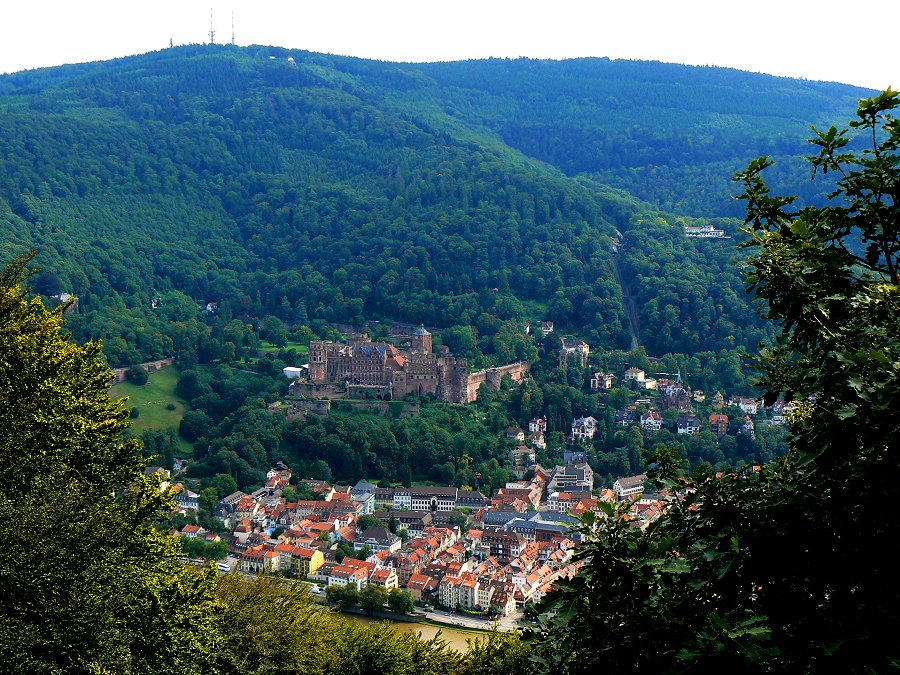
<point x="606" y="507"/>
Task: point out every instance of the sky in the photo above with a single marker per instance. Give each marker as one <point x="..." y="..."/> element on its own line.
<point x="793" y="38"/>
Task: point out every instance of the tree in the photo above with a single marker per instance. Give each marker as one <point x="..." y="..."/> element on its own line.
<point x="137" y="375"/>
<point x="224" y="484"/>
<point x="48" y="284"/>
<point x="274" y="331"/>
<point x="366" y="521"/>
<point x="372" y="598"/>
<point x="160" y="447"/>
<point x="788" y="569"/>
<point x="208" y="500"/>
<point x="460" y="521"/>
<point x="321" y="470"/>
<point x="400" y="602"/>
<point x="87" y="584"/>
<point x="346" y="550"/>
<point x="195" y="424"/>
<point x="496" y="652"/>
<point x="344" y="596"/>
<point x="194" y="547"/>
<point x="273" y="626"/>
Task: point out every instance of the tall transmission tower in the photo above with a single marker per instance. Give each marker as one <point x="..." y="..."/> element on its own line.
<point x="212" y="31"/>
<point x="232" y="27"/>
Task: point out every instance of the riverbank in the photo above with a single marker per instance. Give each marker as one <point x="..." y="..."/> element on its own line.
<point x="456" y="627"/>
<point x="440" y="619"/>
<point x="456" y="638"/>
<point x="383" y="615"/>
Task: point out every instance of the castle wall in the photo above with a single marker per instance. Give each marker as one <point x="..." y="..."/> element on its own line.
<point x="420" y="376"/>
<point x="418" y="372"/>
<point x="119" y="374"/>
<point x="313" y="390"/>
<point x="473" y="384"/>
<point x="300" y="409"/>
<point x="453" y="375"/>
<point x="492" y="377"/>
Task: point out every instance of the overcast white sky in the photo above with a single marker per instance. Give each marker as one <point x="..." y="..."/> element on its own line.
<point x="852" y="42"/>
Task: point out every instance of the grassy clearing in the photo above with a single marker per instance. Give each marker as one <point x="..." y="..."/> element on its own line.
<point x="269" y="347"/>
<point x="152" y="400"/>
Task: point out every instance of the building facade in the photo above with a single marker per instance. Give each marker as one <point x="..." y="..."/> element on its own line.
<point x="379" y="370"/>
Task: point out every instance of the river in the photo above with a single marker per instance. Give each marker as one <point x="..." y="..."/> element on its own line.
<point x="453" y="637"/>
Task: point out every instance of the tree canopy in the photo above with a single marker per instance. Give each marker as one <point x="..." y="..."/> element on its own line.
<point x="87" y="585"/>
<point x="789" y="568"/>
<point x="212" y="175"/>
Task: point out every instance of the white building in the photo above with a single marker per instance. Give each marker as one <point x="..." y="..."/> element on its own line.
<point x="703" y="232"/>
<point x="538" y="424"/>
<point x="584" y="428"/>
<point x="425" y="498"/>
<point x="651" y="421"/>
<point x="689" y="425"/>
<point x="601" y="381"/>
<point x="630" y="486"/>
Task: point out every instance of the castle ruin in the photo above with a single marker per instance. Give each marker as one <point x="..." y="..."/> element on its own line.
<point x="379" y="370"/>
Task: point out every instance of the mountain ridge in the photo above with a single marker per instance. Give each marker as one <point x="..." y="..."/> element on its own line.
<point x="323" y="188"/>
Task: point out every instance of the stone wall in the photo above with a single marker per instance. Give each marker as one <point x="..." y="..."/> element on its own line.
<point x="119" y="374"/>
<point x="492" y="377"/>
<point x="300" y="409"/>
<point x="312" y="390"/>
<point x="322" y="407"/>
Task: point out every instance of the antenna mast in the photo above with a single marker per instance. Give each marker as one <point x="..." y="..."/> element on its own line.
<point x="232" y="27"/>
<point x="212" y="32"/>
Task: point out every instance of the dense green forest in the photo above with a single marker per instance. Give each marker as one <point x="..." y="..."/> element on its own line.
<point x="319" y="189"/>
<point x="672" y="135"/>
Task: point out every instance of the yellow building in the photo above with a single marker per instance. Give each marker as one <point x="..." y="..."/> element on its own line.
<point x="306" y="561"/>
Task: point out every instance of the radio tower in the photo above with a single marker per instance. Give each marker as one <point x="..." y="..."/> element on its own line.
<point x="232" y="27"/>
<point x="212" y="32"/>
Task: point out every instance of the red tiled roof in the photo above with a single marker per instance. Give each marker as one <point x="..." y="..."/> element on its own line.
<point x="382" y="575"/>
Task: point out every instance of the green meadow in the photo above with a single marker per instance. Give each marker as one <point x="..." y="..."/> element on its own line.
<point x="153" y="400"/>
<point x="269" y="347"/>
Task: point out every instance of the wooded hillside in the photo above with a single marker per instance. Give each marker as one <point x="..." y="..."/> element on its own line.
<point x="319" y="188"/>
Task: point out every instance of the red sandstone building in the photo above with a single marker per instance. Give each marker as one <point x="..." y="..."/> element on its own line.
<point x="379" y="370"/>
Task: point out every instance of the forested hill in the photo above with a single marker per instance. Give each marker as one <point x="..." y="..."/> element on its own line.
<point x="319" y="188"/>
<point x="670" y="134"/>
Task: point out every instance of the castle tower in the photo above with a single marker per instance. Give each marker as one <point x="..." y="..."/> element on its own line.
<point x="421" y="340"/>
<point x="317" y="360"/>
